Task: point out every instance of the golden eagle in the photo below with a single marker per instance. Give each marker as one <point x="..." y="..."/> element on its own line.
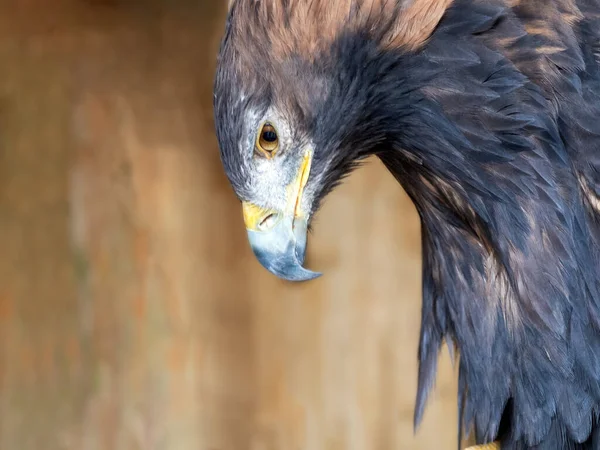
<point x="488" y="114"/>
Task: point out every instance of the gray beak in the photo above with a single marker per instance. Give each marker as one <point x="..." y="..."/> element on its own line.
<point x="281" y="248"/>
<point x="278" y="238"/>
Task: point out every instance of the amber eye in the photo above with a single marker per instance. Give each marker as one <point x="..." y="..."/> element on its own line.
<point x="268" y="141"/>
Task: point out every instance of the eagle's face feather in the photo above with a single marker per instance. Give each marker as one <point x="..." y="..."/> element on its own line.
<point x="261" y="172"/>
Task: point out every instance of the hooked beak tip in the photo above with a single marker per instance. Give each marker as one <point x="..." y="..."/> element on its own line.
<point x="281" y="250"/>
<point x="284" y="268"/>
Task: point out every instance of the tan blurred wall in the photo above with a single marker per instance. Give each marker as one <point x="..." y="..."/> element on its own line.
<point x="132" y="312"/>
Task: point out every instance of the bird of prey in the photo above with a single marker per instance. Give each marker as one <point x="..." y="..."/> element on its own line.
<point x="487" y="112"/>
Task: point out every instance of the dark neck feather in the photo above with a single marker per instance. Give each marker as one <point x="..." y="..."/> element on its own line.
<point x="510" y="271"/>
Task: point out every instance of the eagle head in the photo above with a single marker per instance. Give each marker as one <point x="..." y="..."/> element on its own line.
<point x="298" y="96"/>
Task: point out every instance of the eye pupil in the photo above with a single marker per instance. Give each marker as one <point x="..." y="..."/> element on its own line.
<point x="268" y="141"/>
<point x="269" y="136"/>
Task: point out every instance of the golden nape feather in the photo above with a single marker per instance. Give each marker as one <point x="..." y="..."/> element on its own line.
<point x="313" y="26"/>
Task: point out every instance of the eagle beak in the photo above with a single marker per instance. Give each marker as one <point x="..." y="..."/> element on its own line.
<point x="278" y="238"/>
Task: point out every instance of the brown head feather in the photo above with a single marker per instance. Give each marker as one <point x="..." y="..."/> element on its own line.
<point x="305" y="27"/>
<point x="417" y="22"/>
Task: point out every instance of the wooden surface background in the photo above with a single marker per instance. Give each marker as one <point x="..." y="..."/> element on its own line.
<point x="133" y="314"/>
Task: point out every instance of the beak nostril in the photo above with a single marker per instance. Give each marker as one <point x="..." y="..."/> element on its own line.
<point x="267" y="222"/>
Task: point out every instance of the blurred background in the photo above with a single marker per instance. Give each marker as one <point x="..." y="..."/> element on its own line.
<point x="133" y="314"/>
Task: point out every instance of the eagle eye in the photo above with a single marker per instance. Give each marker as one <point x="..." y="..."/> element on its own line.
<point x="268" y="140"/>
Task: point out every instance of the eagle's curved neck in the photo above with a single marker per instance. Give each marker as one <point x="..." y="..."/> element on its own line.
<point x="507" y="245"/>
<point x="467" y="294"/>
<point x="469" y="298"/>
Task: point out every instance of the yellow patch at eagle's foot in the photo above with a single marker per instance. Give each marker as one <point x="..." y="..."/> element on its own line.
<point x="491" y="446"/>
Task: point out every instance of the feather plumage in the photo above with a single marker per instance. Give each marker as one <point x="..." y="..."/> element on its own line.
<point x="490" y="119"/>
